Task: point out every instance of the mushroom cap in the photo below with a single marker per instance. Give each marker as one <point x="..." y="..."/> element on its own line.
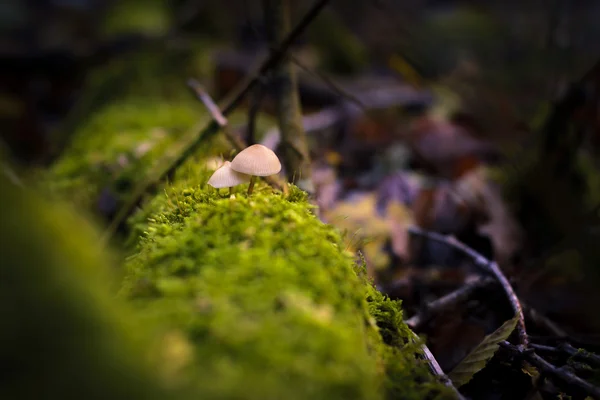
<point x="256" y="160"/>
<point x="227" y="177"/>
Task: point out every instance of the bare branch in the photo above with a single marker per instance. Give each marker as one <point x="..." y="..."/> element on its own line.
<point x="436" y="369"/>
<point x="215" y="112"/>
<point x="590" y="342"/>
<point x="559" y="373"/>
<point x="580" y="354"/>
<point x="566" y="348"/>
<point x="330" y="83"/>
<point x="446" y="302"/>
<point x="487" y="266"/>
<point x="11" y="175"/>
<point x="208" y="102"/>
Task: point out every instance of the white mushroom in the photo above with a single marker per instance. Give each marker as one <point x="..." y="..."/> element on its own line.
<point x="256" y="160"/>
<point x="227" y="177"/>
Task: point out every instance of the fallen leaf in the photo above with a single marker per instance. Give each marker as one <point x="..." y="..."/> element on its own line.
<point x="479" y="357"/>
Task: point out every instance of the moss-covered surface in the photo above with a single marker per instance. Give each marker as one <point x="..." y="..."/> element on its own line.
<point x="63" y="333"/>
<point x="117" y="146"/>
<point x="268" y="299"/>
<point x="229" y="298"/>
<point x="124" y="143"/>
<point x="135" y="113"/>
<point x="245" y="297"/>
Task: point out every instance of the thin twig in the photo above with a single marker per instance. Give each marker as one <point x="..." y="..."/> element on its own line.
<point x="436" y="369"/>
<point x="548" y="369"/>
<point x="542" y="348"/>
<point x="446" y="302"/>
<point x="488" y="266"/>
<point x="566" y="348"/>
<point x="329" y="82"/>
<point x="213" y="127"/>
<point x="205" y="98"/>
<point x="580" y="354"/>
<point x="216" y="113"/>
<point x="589" y="343"/>
<point x="276" y="55"/>
<point x="237" y="143"/>
<point x="544" y="321"/>
<point x="11" y="175"/>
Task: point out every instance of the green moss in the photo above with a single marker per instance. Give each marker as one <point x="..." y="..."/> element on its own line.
<point x="407" y="377"/>
<point x="117" y="146"/>
<point x="123" y="143"/>
<point x="136" y="113"/>
<point x="269" y="300"/>
<point x="63" y="334"/>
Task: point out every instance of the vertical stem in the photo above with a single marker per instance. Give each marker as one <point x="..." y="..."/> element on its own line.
<point x="296" y="158"/>
<point x="230" y="191"/>
<point x="251" y="187"/>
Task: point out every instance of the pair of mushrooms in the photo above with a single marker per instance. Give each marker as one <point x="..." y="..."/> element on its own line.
<point x="253" y="161"/>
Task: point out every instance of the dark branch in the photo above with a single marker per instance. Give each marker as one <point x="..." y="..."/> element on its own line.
<point x="330" y="83"/>
<point x="436" y="369"/>
<point x="566" y="348"/>
<point x="488" y="266"/>
<point x="446" y="302"/>
<point x="277" y="54"/>
<point x="590" y="343"/>
<point x="559" y="373"/>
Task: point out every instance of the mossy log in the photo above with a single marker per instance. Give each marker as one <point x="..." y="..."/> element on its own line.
<point x="64" y="335"/>
<point x="270" y="303"/>
<point x="238" y="297"/>
<point x="227" y="298"/>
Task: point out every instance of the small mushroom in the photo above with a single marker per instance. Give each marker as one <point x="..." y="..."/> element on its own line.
<point x="256" y="160"/>
<point x="227" y="177"/>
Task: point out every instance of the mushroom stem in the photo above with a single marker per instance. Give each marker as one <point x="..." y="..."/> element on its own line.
<point x="230" y="191"/>
<point x="251" y="187"/>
